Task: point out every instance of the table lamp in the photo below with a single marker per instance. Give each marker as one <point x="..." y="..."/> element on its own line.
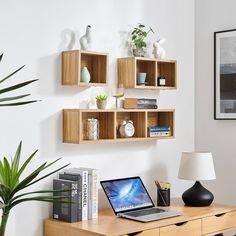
<point x="197" y="166"/>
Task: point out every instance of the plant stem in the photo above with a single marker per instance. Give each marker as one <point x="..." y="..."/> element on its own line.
<point x="3" y="223"/>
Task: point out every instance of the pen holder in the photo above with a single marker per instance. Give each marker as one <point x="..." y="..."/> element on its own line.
<point x="163" y="197"/>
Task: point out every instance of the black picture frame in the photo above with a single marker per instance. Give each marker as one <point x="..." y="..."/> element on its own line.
<point x="225" y="75"/>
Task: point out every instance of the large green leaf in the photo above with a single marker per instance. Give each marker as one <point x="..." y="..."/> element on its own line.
<point x="14" y="98"/>
<point x="9" y="76"/>
<point x="17" y="86"/>
<point x="17" y="103"/>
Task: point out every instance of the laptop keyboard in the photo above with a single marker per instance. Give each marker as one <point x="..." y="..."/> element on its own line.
<point x="145" y="212"/>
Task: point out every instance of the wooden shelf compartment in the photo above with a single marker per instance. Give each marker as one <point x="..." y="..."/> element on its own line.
<point x="138" y="119"/>
<point x="73" y="61"/>
<point x="129" y="67"/>
<point x="161" y="118"/>
<point x="74" y="124"/>
<point x="168" y="70"/>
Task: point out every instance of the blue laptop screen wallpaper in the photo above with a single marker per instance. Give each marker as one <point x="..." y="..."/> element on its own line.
<point x="126" y="194"/>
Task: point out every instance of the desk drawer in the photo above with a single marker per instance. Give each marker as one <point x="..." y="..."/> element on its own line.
<point x="188" y="228"/>
<point x="150" y="232"/>
<point x="218" y="222"/>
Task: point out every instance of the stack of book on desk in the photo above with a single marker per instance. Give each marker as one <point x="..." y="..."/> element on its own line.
<point x="83" y="196"/>
<point x="140" y="103"/>
<point x="159" y="131"/>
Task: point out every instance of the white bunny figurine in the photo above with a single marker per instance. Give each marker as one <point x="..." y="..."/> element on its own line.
<point x="86" y="40"/>
<point x="158" y="51"/>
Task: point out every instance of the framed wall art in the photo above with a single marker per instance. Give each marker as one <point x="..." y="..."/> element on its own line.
<point x="225" y="75"/>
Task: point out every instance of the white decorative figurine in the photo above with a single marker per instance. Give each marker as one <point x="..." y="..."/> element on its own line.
<point x="86" y="40"/>
<point x="158" y="51"/>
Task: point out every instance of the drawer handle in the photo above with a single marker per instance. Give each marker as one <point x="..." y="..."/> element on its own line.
<point x="135" y="233"/>
<point x="219" y="215"/>
<point x="181" y="223"/>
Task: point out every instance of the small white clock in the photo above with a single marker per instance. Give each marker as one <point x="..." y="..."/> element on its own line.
<point x="127" y="129"/>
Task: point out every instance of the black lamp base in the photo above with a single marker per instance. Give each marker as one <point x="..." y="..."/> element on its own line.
<point x="197" y="196"/>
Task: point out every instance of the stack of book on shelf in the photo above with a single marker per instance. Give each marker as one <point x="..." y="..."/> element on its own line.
<point x="159" y="131"/>
<point x="140" y="103"/>
<point x="82" y="184"/>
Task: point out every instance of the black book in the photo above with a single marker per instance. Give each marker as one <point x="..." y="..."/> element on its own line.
<point x="77" y="178"/>
<point x="65" y="211"/>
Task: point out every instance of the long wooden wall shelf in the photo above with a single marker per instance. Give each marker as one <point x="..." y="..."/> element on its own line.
<point x="129" y="67"/>
<point x="74" y="124"/>
<point x="73" y="61"/>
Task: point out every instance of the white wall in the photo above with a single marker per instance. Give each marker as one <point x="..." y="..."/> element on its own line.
<point x="217" y="136"/>
<point x="34" y="33"/>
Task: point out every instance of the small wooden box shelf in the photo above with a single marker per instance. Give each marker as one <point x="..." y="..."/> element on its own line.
<point x="129" y="67"/>
<point x="73" y="61"/>
<point x="74" y="123"/>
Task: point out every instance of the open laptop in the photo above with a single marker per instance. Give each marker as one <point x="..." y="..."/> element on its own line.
<point x="129" y="199"/>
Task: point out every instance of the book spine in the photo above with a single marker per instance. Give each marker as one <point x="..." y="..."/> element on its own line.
<point x="160" y="128"/>
<point x="90" y="201"/>
<point x="159" y="134"/>
<point x="146" y="101"/>
<point x="147" y="106"/>
<point x="79" y="198"/>
<point x="84" y="195"/>
<point x="94" y="194"/>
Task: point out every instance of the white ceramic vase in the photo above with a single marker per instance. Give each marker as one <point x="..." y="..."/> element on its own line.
<point x="85" y="75"/>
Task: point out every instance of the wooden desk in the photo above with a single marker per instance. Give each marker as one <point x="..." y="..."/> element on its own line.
<point x="195" y="221"/>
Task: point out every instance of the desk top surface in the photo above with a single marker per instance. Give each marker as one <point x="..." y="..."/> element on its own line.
<point x="108" y="224"/>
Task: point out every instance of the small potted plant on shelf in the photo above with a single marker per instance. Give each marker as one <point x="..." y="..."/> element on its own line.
<point x="138" y="37"/>
<point x="101" y="101"/>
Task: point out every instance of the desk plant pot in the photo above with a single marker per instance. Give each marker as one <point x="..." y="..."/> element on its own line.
<point x="101" y="101"/>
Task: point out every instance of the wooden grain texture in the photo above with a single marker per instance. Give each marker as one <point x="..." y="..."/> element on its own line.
<point x="169" y="71"/>
<point x="71" y="126"/>
<point x="73" y="62"/>
<point x="75" y="124"/>
<point x="70" y="67"/>
<point x="128" y="68"/>
<point x="126" y="72"/>
<point x="187" y="228"/>
<point x="149" y="67"/>
<point x="138" y="119"/>
<point x="151" y="232"/>
<point x="219" y="222"/>
<point x="107" y="224"/>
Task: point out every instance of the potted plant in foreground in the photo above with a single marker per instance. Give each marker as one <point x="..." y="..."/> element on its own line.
<point x="11" y="171"/>
<point x="138" y="37"/>
<point x="101" y="101"/>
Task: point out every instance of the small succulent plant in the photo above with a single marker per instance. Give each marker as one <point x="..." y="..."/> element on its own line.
<point x="101" y="98"/>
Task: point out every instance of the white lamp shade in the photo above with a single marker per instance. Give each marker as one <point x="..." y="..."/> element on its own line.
<point x="196" y="166"/>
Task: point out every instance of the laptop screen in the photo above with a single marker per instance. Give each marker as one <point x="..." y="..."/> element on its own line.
<point x="127" y="194"/>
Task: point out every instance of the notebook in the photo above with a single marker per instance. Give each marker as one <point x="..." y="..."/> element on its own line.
<point x="130" y="199"/>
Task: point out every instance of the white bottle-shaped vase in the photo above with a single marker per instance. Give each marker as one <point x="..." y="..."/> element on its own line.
<point x="85" y="75"/>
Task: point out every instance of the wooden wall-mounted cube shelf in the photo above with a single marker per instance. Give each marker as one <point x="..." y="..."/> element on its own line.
<point x="74" y="124"/>
<point x="73" y="61"/>
<point x="129" y="67"/>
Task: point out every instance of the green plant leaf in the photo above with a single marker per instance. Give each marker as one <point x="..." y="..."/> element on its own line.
<point x="9" y="76"/>
<point x="13" y="98"/>
<point x="41" y="191"/>
<point x="45" y="176"/>
<point x="25" y="164"/>
<point x="1" y="56"/>
<point x="17" y="103"/>
<point x="17" y="86"/>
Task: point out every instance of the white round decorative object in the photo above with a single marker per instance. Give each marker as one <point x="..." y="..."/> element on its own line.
<point x="126" y="129"/>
